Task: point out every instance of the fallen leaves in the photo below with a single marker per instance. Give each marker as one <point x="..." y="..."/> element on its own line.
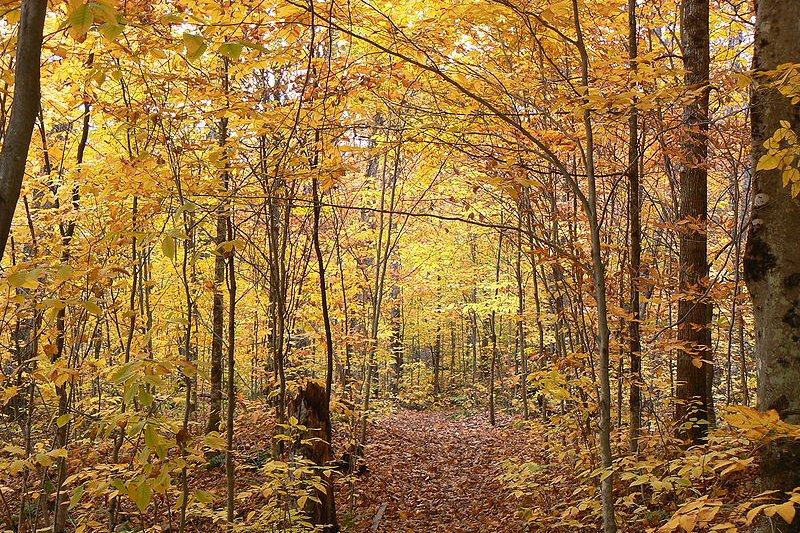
<point x="438" y="474"/>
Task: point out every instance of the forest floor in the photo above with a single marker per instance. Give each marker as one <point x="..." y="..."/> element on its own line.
<point x="436" y="472"/>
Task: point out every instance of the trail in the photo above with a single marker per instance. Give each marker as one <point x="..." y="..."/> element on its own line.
<point x="438" y="474"/>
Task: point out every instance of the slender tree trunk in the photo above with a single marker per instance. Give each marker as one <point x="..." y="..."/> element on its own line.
<point x="521" y="318"/>
<point x="230" y="471"/>
<point x="493" y="333"/>
<point x="599" y="275"/>
<point x="328" y="505"/>
<point x="218" y="305"/>
<point x="693" y="411"/>
<point x="67" y="231"/>
<point x="634" y="217"/>
<point x="772" y="256"/>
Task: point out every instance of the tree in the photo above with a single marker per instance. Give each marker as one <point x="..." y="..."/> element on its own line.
<point x="694" y="371"/>
<point x="634" y="219"/>
<point x="27" y="88"/>
<point x="772" y="257"/>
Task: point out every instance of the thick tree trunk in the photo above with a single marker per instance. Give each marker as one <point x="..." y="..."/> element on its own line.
<point x="772" y="257"/>
<point x="23" y="112"/>
<point x="694" y="407"/>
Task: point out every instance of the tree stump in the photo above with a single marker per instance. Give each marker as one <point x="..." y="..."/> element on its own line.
<point x="310" y="408"/>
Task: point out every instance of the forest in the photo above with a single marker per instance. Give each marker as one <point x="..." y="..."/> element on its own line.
<point x="443" y="266"/>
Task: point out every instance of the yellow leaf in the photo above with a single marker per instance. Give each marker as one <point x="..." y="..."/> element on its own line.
<point x="17" y="466"/>
<point x="687" y="522"/>
<point x="62" y="420"/>
<point x="106" y="11"/>
<point x="753" y="513"/>
<point x="786" y="510"/>
<point x="14" y="450"/>
<point x="768" y="162"/>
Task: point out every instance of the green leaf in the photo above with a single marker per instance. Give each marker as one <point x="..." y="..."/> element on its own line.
<point x="79" y="21"/>
<point x="231" y="50"/>
<point x="144" y="493"/>
<point x="64" y="273"/>
<point x="92" y="307"/>
<point x="188" y="207"/>
<point x="110" y="31"/>
<point x="145" y="397"/>
<point x="151" y="437"/>
<point x="77" y="494"/>
<point x="255" y="46"/>
<point x="122" y="374"/>
<point x="24" y="279"/>
<point x="62" y="420"/>
<point x="168" y="247"/>
<point x="195" y="45"/>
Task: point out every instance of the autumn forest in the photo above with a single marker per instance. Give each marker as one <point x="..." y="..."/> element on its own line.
<point x="443" y="266"/>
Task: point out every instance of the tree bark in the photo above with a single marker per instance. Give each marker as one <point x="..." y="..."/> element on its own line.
<point x="27" y="89"/>
<point x="772" y="257"/>
<point x="218" y="305"/>
<point x="634" y="336"/>
<point x="328" y="503"/>
<point x="310" y="407"/>
<point x="694" y="406"/>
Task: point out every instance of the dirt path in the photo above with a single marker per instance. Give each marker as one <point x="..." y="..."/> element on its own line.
<point x="437" y="474"/>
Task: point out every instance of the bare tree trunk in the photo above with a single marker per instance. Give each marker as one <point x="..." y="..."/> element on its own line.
<point x="24" y="108"/>
<point x="310" y="407"/>
<point x="327" y="508"/>
<point x="230" y="471"/>
<point x="772" y="255"/>
<point x="634" y="217"/>
<point x="693" y="410"/>
<point x="521" y="318"/>
<point x="218" y="305"/>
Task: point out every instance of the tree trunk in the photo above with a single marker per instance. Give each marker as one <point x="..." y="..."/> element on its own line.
<point x="27" y="88"/>
<point x="634" y="340"/>
<point x="694" y="407"/>
<point x="772" y="257"/>
<point x="328" y="504"/>
<point x="217" y="307"/>
<point x="310" y="407"/>
<point x="230" y="470"/>
<point x="523" y="357"/>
